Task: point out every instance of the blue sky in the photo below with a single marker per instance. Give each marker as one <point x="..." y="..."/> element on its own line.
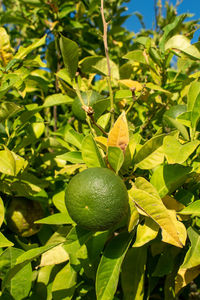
<point x="146" y="8"/>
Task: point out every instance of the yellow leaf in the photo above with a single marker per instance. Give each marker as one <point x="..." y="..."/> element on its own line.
<point x="172" y="203"/>
<point x="185" y="276"/>
<point x="180" y="228"/>
<point x="119" y="135"/>
<point x="132" y="84"/>
<point x="148" y="200"/>
<point x="6" y="51"/>
<point x="102" y="142"/>
<point x="53" y="256"/>
<point x="134" y="216"/>
<point x="146" y="232"/>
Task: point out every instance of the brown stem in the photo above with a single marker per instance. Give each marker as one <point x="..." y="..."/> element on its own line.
<point x="105" y="41"/>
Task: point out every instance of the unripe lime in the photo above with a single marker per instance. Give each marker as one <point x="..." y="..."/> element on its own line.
<point x="97" y="199"/>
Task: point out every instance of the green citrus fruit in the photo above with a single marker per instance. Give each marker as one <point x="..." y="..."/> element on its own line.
<point x="21" y="215"/>
<point x="97" y="199"/>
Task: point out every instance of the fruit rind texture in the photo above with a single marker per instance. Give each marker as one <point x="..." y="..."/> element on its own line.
<point x="97" y="199"/>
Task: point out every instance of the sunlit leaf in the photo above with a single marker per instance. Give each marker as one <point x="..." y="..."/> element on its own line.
<point x="64" y="283"/>
<point x="115" y="158"/>
<point x="57" y="99"/>
<point x="91" y="153"/>
<point x="154" y="208"/>
<point x="23" y="52"/>
<point x="119" y="134"/>
<point x="177" y="153"/>
<point x="56" y="219"/>
<point x="109" y="267"/>
<point x="192" y="209"/>
<point x="168" y="178"/>
<point x="4" y="242"/>
<point x="6" y="52"/>
<point x="146" y="232"/>
<point x="1" y="211"/>
<point x="54" y="256"/>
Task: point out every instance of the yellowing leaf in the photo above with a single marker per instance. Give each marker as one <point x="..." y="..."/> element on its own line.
<point x="134" y="216"/>
<point x="1" y="211"/>
<point x="6" y="52"/>
<point x="146" y="232"/>
<point x="132" y="84"/>
<point x="53" y="256"/>
<point x="181" y="230"/>
<point x="172" y="203"/>
<point x="102" y="142"/>
<point x="152" y="205"/>
<point x="119" y="135"/>
<point x="185" y="276"/>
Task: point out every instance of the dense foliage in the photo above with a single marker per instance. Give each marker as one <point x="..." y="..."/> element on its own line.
<point x="69" y="101"/>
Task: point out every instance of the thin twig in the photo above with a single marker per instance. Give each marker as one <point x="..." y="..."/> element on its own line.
<point x="90" y="113"/>
<point x="105" y="41"/>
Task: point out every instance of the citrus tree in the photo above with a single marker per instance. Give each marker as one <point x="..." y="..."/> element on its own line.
<point x="99" y="153"/>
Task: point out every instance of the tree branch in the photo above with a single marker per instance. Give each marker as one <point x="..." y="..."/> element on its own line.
<point x="105" y="41"/>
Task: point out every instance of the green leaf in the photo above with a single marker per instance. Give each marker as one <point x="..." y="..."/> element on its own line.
<point x="64" y="284"/>
<point x="11" y="163"/>
<point x="4" y="242"/>
<point x="7" y="162"/>
<point x="34" y="253"/>
<point x="133" y="273"/>
<point x="87" y="63"/>
<point x="115" y="158"/>
<point x="194" y="103"/>
<point x="20" y="285"/>
<point x="170" y="29"/>
<point x="59" y="201"/>
<point x="110" y="265"/>
<point x="23" y="52"/>
<point x="176" y="152"/>
<point x="8" y="109"/>
<point x="57" y="99"/>
<point x="91" y="153"/>
<point x="166" y="179"/>
<point x="151" y="153"/>
<point x="1" y="211"/>
<point x="98" y="64"/>
<point x="73" y="157"/>
<point x="69" y="50"/>
<point x="8" y="82"/>
<point x="165" y="263"/>
<point x="136" y="56"/>
<point x="192" y="209"/>
<point x="180" y="42"/>
<point x="56" y="219"/>
<point x="76" y="238"/>
<point x="192" y="257"/>
<point x="73" y="137"/>
<point x="155" y="87"/>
